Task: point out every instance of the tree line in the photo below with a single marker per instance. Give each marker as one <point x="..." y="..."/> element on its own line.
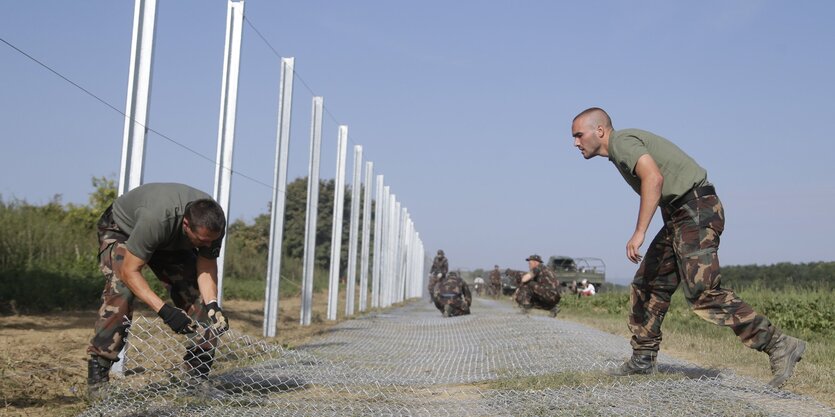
<point x="48" y="253"/>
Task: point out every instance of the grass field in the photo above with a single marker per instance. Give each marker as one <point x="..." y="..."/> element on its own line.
<point x="804" y="314"/>
<point x="42" y="371"/>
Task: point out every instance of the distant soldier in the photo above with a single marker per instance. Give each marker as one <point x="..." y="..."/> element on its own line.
<point x="495" y="282"/>
<point x="539" y="288"/>
<point x="440" y="265"/>
<point x="453" y="296"/>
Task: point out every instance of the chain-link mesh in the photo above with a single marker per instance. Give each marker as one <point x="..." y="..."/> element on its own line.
<point x="411" y="361"/>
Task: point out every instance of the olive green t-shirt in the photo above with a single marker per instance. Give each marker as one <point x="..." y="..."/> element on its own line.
<point x="152" y="217"/>
<point x="681" y="173"/>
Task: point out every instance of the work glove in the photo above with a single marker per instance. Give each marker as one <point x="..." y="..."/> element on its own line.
<point x="177" y="319"/>
<point x="219" y="322"/>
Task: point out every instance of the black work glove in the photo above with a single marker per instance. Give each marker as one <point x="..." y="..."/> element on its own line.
<point x="177" y="319"/>
<point x="219" y="322"/>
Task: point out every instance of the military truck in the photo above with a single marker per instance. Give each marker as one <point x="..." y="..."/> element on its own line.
<point x="573" y="270"/>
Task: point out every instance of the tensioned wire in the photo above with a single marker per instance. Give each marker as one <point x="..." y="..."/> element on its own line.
<point x="163" y="135"/>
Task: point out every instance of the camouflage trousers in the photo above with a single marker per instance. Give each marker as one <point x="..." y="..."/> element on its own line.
<point x="459" y="305"/>
<point x="535" y="294"/>
<point x="685" y="252"/>
<point x="178" y="272"/>
<point x="496" y="290"/>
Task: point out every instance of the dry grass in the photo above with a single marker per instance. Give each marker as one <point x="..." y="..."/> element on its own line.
<point x="43" y="369"/>
<point x="714" y="347"/>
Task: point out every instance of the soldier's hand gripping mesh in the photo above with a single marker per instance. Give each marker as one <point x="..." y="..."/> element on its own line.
<point x="177" y="319"/>
<point x="219" y="322"/>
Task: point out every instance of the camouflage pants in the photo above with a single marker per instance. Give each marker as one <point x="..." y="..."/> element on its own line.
<point x="685" y="251"/>
<point x="496" y="290"/>
<point x="535" y="294"/>
<point x="176" y="269"/>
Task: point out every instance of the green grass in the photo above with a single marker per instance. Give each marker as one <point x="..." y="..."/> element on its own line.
<point x="804" y="314"/>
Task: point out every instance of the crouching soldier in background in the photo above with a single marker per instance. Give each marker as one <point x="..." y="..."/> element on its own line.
<point x="452" y="296"/>
<point x="176" y="230"/>
<point x="539" y="288"/>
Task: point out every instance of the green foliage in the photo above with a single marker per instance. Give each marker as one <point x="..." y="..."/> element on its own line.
<point x="804" y="311"/>
<point x="813" y="275"/>
<point x="48" y="253"/>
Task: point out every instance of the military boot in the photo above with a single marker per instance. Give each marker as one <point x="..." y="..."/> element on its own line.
<point x="98" y="375"/>
<point x="554" y="311"/>
<point x="198" y="363"/>
<point x="784" y="352"/>
<point x="447" y="310"/>
<point x="526" y="309"/>
<point x="642" y="362"/>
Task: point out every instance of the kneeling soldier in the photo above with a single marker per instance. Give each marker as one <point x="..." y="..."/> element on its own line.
<point x="452" y="295"/>
<point x="539" y="288"/>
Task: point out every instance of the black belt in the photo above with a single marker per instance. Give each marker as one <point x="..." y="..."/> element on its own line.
<point x="692" y="195"/>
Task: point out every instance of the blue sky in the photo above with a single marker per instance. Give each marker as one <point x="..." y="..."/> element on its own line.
<point x="464" y="106"/>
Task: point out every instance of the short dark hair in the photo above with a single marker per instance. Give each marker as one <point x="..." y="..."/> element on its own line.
<point x="597" y="111"/>
<point x="205" y="213"/>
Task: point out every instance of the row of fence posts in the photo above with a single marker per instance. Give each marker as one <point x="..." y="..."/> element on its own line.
<point x="393" y="264"/>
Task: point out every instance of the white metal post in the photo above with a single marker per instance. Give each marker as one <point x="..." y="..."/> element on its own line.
<point x="336" y="229"/>
<point x="391" y="254"/>
<point x="353" y="235"/>
<point x="282" y="148"/>
<point x="312" y="212"/>
<point x="379" y="208"/>
<point x="226" y="124"/>
<point x="139" y="89"/>
<point x="366" y="235"/>
<point x="388" y="197"/>
<point x="138" y="103"/>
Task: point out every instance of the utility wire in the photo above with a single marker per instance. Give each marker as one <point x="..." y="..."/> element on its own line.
<point x="101" y="100"/>
<point x="295" y="73"/>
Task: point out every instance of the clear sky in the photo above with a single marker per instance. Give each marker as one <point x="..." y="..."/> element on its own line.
<point x="464" y="106"/>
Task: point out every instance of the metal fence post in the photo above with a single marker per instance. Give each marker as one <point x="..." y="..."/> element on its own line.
<point x="312" y="211"/>
<point x="282" y="147"/>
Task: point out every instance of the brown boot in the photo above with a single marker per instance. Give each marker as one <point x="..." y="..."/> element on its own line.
<point x="783" y="354"/>
<point x="642" y="362"/>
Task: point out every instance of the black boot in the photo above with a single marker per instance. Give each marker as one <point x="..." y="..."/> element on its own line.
<point x="98" y="374"/>
<point x="642" y="362"/>
<point x="199" y="363"/>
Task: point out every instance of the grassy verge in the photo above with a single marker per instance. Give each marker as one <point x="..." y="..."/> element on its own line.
<point x="692" y="339"/>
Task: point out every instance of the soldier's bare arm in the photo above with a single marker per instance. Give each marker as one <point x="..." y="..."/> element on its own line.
<point x="130" y="273"/>
<point x="207" y="278"/>
<point x="651" y="182"/>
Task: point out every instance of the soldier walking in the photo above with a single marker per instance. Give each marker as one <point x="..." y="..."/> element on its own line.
<point x="539" y="288"/>
<point x="683" y="252"/>
<point x="496" y="282"/>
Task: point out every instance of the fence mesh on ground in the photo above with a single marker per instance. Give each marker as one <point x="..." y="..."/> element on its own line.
<point x="412" y="361"/>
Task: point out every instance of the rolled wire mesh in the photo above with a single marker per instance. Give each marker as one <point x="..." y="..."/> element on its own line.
<point x="411" y="361"/>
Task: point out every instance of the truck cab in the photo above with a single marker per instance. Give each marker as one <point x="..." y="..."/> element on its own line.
<point x="573" y="270"/>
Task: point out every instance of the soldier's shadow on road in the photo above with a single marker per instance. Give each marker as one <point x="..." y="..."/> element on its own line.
<point x="689" y="371"/>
